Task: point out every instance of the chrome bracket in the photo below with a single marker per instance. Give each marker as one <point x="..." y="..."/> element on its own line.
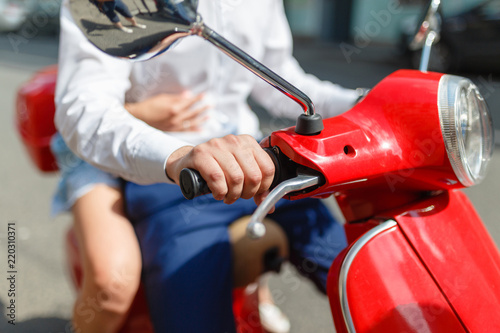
<point x="256" y="228"/>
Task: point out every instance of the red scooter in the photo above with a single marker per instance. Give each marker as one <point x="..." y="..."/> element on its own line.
<point x="419" y="258"/>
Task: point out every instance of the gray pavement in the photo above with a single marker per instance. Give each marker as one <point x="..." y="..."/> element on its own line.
<point x="101" y="32"/>
<point x="44" y="295"/>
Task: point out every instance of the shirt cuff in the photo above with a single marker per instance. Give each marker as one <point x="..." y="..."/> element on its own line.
<point x="151" y="156"/>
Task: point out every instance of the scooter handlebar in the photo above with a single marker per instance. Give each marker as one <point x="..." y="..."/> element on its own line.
<point x="193" y="185"/>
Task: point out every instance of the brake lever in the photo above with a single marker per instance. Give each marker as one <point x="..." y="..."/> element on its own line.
<point x="256" y="228"/>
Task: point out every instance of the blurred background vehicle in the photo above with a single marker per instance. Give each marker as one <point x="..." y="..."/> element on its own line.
<point x="470" y="39"/>
<point x="12" y="14"/>
<point x="16" y="15"/>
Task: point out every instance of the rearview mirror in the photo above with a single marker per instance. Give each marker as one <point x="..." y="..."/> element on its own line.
<point x="165" y="21"/>
<point x="428" y="33"/>
<point x="430" y="22"/>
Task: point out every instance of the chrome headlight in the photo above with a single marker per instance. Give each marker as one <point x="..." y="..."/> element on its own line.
<point x="467" y="128"/>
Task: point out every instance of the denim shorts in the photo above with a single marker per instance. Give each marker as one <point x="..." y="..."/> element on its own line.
<point x="77" y="177"/>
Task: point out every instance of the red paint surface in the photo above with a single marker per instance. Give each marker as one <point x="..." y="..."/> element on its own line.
<point x="390" y="290"/>
<point x="393" y="139"/>
<point x="34" y="117"/>
<point x="461" y="256"/>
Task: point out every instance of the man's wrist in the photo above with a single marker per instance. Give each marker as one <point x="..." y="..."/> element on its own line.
<point x="172" y="164"/>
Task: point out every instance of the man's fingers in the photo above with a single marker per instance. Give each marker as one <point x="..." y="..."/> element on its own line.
<point x="267" y="169"/>
<point x="210" y="169"/>
<point x="233" y="172"/>
<point x="252" y="171"/>
<point x="234" y="167"/>
<point x="256" y="165"/>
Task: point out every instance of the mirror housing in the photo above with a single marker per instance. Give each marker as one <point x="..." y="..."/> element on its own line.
<point x="431" y="22"/>
<point x="428" y="33"/>
<point x="166" y="22"/>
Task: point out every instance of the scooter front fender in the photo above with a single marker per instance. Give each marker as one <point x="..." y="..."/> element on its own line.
<point x="431" y="267"/>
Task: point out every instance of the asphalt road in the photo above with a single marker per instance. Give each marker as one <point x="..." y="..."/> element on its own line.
<point x="101" y="32"/>
<point x="43" y="293"/>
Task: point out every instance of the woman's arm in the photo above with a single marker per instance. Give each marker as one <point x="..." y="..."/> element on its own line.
<point x="170" y="112"/>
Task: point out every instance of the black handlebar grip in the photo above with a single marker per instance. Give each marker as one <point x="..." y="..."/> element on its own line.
<point x="192" y="184"/>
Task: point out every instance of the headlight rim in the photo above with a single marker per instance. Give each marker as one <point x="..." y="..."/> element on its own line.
<point x="449" y="103"/>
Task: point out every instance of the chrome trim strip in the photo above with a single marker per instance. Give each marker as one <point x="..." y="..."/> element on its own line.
<point x="346" y="264"/>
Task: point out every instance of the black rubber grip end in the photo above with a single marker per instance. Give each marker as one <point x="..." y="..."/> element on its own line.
<point x="192" y="184"/>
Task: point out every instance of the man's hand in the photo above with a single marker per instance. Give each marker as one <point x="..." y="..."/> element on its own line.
<point x="233" y="166"/>
<point x="170" y="112"/>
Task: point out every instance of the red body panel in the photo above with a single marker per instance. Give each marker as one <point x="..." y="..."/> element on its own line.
<point x="454" y="245"/>
<point x="391" y="140"/>
<point x="390" y="290"/>
<point x="35" y="117"/>
<point x="246" y="310"/>
<point x="439" y="257"/>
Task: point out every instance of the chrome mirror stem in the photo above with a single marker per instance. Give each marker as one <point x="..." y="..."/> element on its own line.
<point x="258" y="69"/>
<point x="426" y="51"/>
<point x="428" y="33"/>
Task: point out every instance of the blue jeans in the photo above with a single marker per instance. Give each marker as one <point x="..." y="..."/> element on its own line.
<point x="109" y="8"/>
<point x="186" y="252"/>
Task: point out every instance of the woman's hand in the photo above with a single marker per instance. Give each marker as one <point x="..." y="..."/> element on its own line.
<point x="170" y="112"/>
<point x="233" y="166"/>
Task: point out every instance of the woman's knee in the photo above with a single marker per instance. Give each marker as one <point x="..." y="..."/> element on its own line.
<point x="251" y="257"/>
<point x="113" y="286"/>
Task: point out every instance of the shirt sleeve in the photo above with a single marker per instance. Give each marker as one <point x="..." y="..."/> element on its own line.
<point x="329" y="99"/>
<point x="90" y="115"/>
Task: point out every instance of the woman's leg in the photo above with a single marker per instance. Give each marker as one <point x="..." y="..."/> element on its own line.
<point x="272" y="318"/>
<point x="134" y="23"/>
<point x="109" y="7"/>
<point x="120" y="26"/>
<point x="122" y="8"/>
<point x="251" y="257"/>
<point x="111" y="261"/>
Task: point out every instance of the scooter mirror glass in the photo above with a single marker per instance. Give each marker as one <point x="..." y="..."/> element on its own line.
<point x="430" y="21"/>
<point x="159" y="24"/>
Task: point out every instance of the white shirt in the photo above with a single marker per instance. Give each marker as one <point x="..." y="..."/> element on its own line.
<point x="92" y="88"/>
